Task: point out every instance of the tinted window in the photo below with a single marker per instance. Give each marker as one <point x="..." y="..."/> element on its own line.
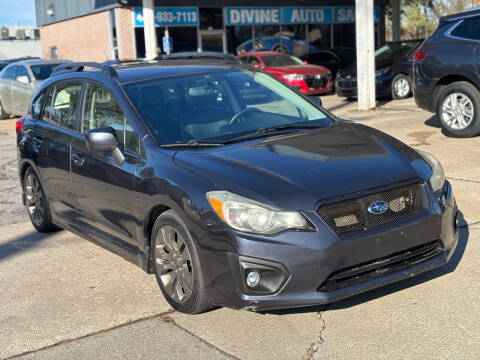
<point x="395" y="50"/>
<point x="469" y="28"/>
<point x="202" y="106"/>
<point x="42" y="72"/>
<point x="37" y="106"/>
<point x="9" y="72"/>
<point x="252" y="60"/>
<point x="2" y="65"/>
<point x="22" y="71"/>
<point x="61" y="105"/>
<point x="101" y="109"/>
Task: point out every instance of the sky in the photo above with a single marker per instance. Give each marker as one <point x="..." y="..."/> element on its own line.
<point x="12" y="11"/>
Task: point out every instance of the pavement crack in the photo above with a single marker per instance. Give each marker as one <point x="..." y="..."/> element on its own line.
<point x="130" y="322"/>
<point x="466" y="180"/>
<point x="316" y="345"/>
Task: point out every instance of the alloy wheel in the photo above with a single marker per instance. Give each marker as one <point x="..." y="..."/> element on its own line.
<point x="34" y="199"/>
<point x="174" y="264"/>
<point x="457" y="111"/>
<point x="402" y="87"/>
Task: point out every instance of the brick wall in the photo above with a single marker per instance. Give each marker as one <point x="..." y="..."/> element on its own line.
<point x="125" y="34"/>
<point x="81" y="39"/>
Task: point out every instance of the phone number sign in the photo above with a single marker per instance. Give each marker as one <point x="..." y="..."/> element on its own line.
<point x="178" y="16"/>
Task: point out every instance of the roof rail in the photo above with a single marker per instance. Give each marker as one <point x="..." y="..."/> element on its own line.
<point x="106" y="70"/>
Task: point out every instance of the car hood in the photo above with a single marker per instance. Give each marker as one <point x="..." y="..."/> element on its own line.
<point x="299" y="69"/>
<point x="296" y="170"/>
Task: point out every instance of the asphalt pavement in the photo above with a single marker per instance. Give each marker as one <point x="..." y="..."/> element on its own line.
<point x="64" y="297"/>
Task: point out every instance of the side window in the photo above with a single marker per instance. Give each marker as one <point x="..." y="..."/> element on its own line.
<point x="37" y="106"/>
<point x="22" y="71"/>
<point x="469" y="29"/>
<point x="62" y="107"/>
<point x="101" y="109"/>
<point x="10" y="72"/>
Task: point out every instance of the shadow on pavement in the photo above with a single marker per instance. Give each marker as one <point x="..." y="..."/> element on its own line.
<point x="390" y="288"/>
<point x="22" y="244"/>
<point x="432" y="121"/>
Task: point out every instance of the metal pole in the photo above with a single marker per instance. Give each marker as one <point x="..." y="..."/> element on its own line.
<point x="149" y="29"/>
<point x="365" y="54"/>
<point x="396" y="20"/>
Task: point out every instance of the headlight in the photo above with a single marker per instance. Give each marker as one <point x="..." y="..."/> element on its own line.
<point x="291" y="77"/>
<point x="381" y="72"/>
<point x="250" y="216"/>
<point x="437" y="179"/>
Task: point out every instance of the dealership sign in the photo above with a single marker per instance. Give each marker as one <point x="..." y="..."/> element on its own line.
<point x="253" y="16"/>
<point x="172" y="16"/>
<point x="291" y="15"/>
<point x="307" y="15"/>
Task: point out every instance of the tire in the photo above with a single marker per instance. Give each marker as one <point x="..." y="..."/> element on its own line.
<point x="401" y="87"/>
<point x="458" y="109"/>
<point x="176" y="261"/>
<point x="37" y="204"/>
<point x="3" y="113"/>
<point x="281" y="49"/>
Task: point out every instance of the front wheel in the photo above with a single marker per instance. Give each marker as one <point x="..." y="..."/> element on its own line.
<point x="177" y="266"/>
<point x="401" y="87"/>
<point x="458" y="109"/>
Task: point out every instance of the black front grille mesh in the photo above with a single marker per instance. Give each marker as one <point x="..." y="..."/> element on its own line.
<point x="352" y="214"/>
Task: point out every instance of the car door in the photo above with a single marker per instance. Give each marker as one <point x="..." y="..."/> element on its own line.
<point x="104" y="189"/>
<point x="8" y="76"/>
<point x="22" y="89"/>
<point x="52" y="136"/>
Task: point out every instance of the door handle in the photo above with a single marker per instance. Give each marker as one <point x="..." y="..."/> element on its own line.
<point x="78" y="159"/>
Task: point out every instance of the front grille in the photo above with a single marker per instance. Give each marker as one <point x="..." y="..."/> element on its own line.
<point x="352" y="214"/>
<point x="316" y="81"/>
<point x="381" y="267"/>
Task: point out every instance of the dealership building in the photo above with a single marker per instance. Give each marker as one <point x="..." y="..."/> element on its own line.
<point x="99" y="30"/>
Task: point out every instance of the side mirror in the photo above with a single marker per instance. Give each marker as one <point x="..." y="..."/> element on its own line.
<point x="305" y="62"/>
<point x="23" y="79"/>
<point x="317" y="100"/>
<point x="258" y="66"/>
<point x="103" y="139"/>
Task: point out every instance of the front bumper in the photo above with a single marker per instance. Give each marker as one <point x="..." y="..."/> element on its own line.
<point x="312" y="87"/>
<point x="310" y="258"/>
<point x="347" y="87"/>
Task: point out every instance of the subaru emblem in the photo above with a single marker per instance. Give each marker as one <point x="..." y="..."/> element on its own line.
<point x="378" y="207"/>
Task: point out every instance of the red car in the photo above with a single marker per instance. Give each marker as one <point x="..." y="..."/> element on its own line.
<point x="308" y="79"/>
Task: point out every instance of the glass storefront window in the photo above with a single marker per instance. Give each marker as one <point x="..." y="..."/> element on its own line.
<point x="344" y="35"/>
<point x="236" y="37"/>
<point x="319" y="35"/>
<point x="211" y="18"/>
<point x="184" y="38"/>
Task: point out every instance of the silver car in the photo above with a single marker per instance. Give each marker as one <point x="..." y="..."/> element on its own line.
<point x="18" y="82"/>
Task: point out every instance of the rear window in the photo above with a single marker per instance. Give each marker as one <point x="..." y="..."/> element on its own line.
<point x="42" y="72"/>
<point x="468" y="29"/>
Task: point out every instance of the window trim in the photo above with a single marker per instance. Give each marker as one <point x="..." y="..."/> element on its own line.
<point x="54" y="86"/>
<point x="82" y="115"/>
<point x="448" y="33"/>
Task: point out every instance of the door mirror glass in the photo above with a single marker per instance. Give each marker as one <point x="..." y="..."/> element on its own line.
<point x="23" y="79"/>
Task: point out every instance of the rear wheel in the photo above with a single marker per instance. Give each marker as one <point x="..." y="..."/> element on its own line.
<point x="401" y="87"/>
<point x="3" y="113"/>
<point x="458" y="109"/>
<point x="37" y="203"/>
<point x="177" y="266"/>
<point x="280" y="48"/>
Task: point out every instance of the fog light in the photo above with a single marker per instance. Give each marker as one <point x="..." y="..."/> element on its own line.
<point x="253" y="278"/>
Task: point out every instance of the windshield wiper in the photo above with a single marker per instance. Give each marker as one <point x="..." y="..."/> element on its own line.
<point x="191" y="144"/>
<point x="273" y="129"/>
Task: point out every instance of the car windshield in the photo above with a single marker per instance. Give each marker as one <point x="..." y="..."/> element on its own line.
<point x="281" y="60"/>
<point x="395" y="50"/>
<point x="218" y="106"/>
<point x="42" y="72"/>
